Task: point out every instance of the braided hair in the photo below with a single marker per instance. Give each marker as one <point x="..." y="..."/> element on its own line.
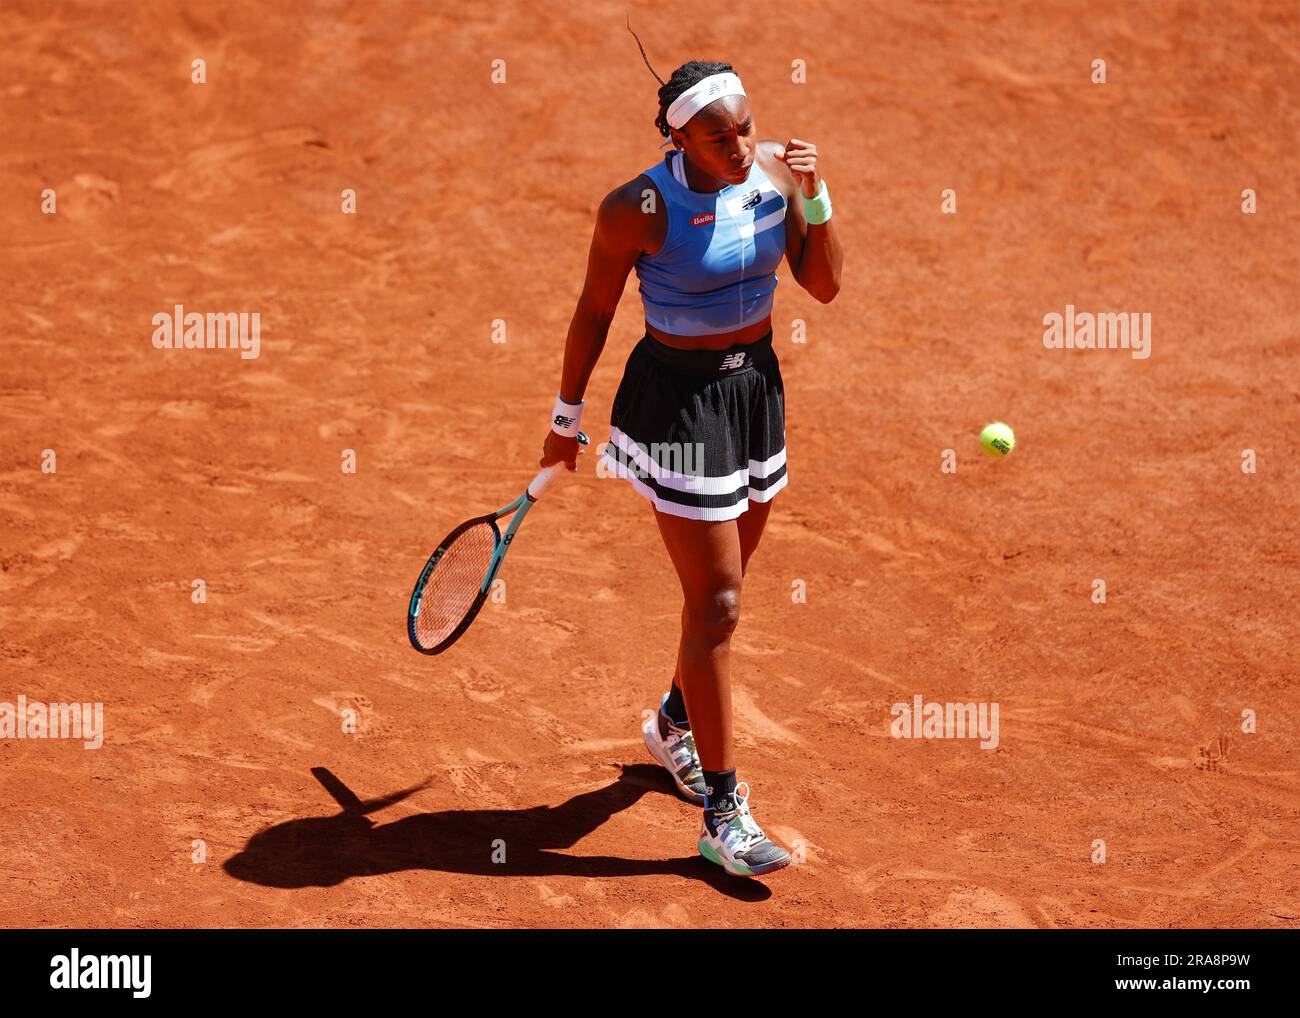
<point x="683" y="78"/>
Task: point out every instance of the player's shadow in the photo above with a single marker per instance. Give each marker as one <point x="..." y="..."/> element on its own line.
<point x="324" y="851"/>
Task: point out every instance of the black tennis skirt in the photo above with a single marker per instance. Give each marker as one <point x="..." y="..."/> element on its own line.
<point x="699" y="433"/>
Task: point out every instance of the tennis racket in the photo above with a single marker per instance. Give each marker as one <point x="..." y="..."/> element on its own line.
<point x="455" y="581"/>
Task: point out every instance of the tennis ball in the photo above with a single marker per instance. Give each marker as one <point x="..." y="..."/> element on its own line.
<point x="997" y="439"/>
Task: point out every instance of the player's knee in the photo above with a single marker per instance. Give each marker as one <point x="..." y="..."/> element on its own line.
<point x="715" y="616"/>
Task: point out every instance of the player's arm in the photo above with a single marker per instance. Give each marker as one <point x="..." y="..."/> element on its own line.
<point x="812" y="252"/>
<point x="616" y="243"/>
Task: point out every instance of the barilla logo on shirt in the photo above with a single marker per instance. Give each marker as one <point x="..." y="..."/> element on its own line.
<point x="702" y="218"/>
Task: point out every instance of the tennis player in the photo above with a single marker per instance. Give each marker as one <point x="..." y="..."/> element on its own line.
<point x="698" y="422"/>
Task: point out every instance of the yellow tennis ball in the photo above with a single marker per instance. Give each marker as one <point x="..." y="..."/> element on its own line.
<point x="997" y="439"/>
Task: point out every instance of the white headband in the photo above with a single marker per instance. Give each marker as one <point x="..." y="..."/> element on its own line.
<point x="699" y="95"/>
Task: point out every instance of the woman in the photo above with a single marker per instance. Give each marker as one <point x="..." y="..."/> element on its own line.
<point x="698" y="423"/>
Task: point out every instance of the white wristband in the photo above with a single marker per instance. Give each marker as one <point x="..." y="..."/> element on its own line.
<point x="565" y="417"/>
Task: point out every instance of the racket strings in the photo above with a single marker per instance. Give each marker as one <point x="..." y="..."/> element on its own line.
<point x="452" y="587"/>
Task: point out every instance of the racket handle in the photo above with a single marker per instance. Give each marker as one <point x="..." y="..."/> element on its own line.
<point x="549" y="473"/>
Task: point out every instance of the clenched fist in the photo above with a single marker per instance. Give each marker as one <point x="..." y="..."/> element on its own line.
<point x="801" y="157"/>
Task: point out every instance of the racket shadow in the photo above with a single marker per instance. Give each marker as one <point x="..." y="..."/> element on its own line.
<point x="326" y="851"/>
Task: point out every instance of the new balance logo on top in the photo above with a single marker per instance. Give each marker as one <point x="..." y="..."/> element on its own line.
<point x="732" y="360"/>
<point x="752" y="200"/>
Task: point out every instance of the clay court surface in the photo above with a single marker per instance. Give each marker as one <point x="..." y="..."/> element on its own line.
<point x="475" y="204"/>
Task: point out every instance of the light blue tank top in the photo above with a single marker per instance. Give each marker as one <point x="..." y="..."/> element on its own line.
<point x="716" y="270"/>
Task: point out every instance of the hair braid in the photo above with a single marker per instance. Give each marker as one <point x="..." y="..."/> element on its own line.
<point x="682" y="79"/>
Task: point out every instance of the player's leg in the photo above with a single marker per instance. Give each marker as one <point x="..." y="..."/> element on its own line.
<point x="751" y="523"/>
<point x="669" y="738"/>
<point x="709" y="561"/>
<point x="707" y="558"/>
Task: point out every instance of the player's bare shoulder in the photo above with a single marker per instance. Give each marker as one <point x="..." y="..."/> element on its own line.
<point x="634" y="211"/>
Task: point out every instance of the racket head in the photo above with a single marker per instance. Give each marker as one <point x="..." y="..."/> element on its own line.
<point x="447" y="594"/>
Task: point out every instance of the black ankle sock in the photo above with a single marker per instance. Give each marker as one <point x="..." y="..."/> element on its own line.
<point x="675" y="707"/>
<point x="719" y="784"/>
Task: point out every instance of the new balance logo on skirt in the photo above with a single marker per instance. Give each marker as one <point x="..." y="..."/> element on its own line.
<point x="732" y="360"/>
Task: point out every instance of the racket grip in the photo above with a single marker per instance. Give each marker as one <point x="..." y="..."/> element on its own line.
<point x="549" y="473"/>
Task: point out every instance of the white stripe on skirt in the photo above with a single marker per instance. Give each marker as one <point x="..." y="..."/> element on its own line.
<point x="692" y="512"/>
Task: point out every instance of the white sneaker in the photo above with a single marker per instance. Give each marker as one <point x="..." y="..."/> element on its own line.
<point x="732" y="838"/>
<point x="675" y="752"/>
